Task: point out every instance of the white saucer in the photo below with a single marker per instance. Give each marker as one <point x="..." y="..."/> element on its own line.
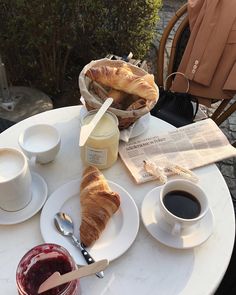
<point x="39" y="196"/>
<point x="161" y="231"/>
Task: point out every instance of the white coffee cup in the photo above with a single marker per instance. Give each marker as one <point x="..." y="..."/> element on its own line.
<point x="15" y="180"/>
<point x="183" y="204"/>
<point x="40" y="142"/>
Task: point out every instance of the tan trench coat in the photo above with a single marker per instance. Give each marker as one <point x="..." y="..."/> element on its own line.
<point x="209" y="60"/>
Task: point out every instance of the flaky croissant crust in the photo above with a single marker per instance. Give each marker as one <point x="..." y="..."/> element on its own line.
<point x="98" y="204"/>
<point x="122" y="78"/>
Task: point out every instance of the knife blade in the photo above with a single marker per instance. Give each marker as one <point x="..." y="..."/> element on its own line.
<point x="87" y="129"/>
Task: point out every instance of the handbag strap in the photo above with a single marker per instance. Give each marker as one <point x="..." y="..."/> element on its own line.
<point x="187" y="90"/>
<point x="174" y="73"/>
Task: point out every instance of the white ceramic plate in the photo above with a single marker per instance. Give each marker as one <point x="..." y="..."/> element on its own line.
<point x="136" y="129"/>
<point x="141" y="125"/>
<point x="118" y="235"/>
<point x="161" y="231"/>
<point x="39" y="196"/>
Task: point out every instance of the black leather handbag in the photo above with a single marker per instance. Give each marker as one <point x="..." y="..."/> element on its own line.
<point x="175" y="108"/>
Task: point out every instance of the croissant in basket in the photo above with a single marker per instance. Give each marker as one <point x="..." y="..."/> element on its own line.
<point x="98" y="204"/>
<point x="133" y="89"/>
<point x="122" y="81"/>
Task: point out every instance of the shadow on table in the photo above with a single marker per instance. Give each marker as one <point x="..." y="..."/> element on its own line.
<point x="4" y="124"/>
<point x="228" y="284"/>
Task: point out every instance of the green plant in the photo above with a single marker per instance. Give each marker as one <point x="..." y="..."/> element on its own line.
<point x="46" y="43"/>
<point x="117" y="27"/>
<point x="38" y="38"/>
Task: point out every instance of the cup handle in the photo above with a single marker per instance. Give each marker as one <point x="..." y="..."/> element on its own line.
<point x="176" y="229"/>
<point x="32" y="160"/>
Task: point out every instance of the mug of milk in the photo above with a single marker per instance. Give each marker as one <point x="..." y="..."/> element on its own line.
<point x="15" y="180"/>
<point x="40" y="142"/>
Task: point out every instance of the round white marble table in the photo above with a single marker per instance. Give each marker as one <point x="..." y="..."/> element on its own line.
<point x="147" y="267"/>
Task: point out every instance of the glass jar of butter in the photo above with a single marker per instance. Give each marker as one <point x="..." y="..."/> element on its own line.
<point x="101" y="148"/>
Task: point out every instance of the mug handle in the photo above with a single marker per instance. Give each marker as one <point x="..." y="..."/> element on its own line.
<point x="176" y="229"/>
<point x="32" y="160"/>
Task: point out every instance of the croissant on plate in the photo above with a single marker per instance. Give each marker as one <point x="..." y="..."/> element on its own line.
<point x="122" y="78"/>
<point x="98" y="203"/>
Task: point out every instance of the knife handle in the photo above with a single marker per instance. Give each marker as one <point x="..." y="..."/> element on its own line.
<point x="88" y="258"/>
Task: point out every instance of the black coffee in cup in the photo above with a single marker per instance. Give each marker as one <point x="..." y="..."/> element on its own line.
<point x="182" y="204"/>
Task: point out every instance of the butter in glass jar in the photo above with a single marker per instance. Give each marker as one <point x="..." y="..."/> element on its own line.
<point x="101" y="148"/>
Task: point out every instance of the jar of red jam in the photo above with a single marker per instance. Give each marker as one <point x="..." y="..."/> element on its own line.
<point x="39" y="264"/>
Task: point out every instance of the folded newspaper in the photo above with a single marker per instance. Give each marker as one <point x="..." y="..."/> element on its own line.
<point x="190" y="147"/>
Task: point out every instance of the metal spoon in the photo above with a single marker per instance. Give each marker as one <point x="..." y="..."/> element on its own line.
<point x="65" y="226"/>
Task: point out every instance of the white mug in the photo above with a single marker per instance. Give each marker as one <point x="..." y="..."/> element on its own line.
<point x="40" y="142"/>
<point x="15" y="180"/>
<point x="182" y="205"/>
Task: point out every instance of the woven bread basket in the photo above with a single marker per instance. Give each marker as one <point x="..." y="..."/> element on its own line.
<point x="92" y="101"/>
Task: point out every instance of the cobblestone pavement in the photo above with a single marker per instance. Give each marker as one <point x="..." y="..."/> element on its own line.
<point x="228" y="166"/>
